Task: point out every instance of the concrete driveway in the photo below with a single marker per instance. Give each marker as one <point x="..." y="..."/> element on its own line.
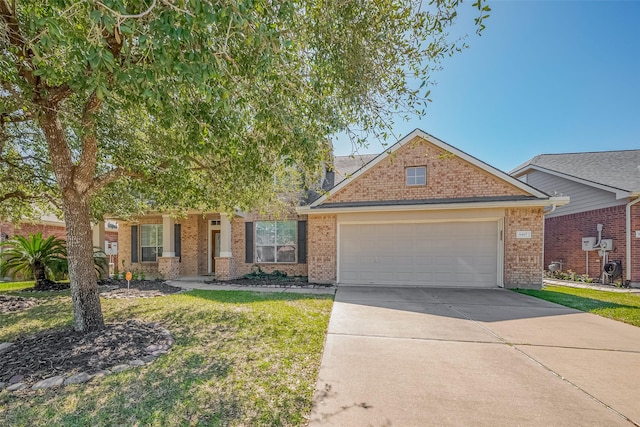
<point x="423" y="356"/>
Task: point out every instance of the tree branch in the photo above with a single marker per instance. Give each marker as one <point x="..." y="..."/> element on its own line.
<point x="15" y="38"/>
<point x="8" y="118"/>
<point x="87" y="167"/>
<point x="146" y="12"/>
<point x="111" y="176"/>
<point x="59" y="93"/>
<point x="59" y="151"/>
<point x="119" y="15"/>
<point x="18" y="194"/>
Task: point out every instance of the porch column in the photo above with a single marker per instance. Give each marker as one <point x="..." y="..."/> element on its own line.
<point x="168" y="263"/>
<point x="168" y="236"/>
<point x="98" y="242"/>
<point x="225" y="236"/>
<point x="98" y="235"/>
<point x="224" y="263"/>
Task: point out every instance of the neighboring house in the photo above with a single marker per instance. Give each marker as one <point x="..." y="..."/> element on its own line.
<point x="604" y="188"/>
<point x="422" y="213"/>
<point x="50" y="225"/>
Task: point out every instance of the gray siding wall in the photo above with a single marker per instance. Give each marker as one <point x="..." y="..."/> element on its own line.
<point x="583" y="197"/>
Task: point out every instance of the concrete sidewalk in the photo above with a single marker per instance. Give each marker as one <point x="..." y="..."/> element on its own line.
<point x="421" y="356"/>
<point x="190" y="283"/>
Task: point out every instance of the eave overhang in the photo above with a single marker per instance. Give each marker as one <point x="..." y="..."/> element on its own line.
<point x="451" y="204"/>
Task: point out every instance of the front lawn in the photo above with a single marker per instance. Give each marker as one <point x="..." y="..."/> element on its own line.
<point x="621" y="306"/>
<point x="15" y="286"/>
<point x="239" y="358"/>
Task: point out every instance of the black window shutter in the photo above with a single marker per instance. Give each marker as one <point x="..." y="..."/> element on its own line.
<point x="134" y="243"/>
<point x="178" y="240"/>
<point x="248" y="242"/>
<point x="302" y="242"/>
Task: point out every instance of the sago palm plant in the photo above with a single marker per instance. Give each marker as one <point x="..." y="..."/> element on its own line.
<point x="33" y="256"/>
<point x="42" y="259"/>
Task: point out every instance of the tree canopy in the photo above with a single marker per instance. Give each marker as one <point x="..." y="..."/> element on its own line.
<point x="120" y="105"/>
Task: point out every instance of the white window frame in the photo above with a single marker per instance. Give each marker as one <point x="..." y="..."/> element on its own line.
<point x="411" y="176"/>
<point x="275" y="244"/>
<point x="157" y="246"/>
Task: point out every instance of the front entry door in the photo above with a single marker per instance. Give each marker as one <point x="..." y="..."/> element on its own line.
<point x="215" y="248"/>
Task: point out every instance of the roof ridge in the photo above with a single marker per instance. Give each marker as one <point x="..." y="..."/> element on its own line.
<point x="586" y="152"/>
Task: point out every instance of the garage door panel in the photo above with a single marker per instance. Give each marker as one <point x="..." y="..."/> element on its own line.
<point x="404" y="276"/>
<point x="403" y="260"/>
<point x="427" y="254"/>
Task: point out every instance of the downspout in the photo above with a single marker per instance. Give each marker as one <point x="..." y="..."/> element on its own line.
<point x="628" y="236"/>
<point x="552" y="210"/>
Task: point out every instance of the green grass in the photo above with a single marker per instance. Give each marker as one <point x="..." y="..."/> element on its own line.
<point x="240" y="358"/>
<point x="15" y="286"/>
<point x="624" y="307"/>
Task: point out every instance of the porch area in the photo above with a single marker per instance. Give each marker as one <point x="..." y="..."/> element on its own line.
<point x="170" y="247"/>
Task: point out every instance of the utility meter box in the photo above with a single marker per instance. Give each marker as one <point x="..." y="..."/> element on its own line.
<point x="606" y="244"/>
<point x="587" y="243"/>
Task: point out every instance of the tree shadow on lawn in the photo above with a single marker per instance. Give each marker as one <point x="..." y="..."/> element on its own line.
<point x="171" y="391"/>
<point x="214" y="374"/>
<point x="249" y="296"/>
<point x="47" y="315"/>
<point x="147" y="308"/>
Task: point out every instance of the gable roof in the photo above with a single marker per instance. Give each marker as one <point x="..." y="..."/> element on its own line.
<point x="441" y="144"/>
<point x="618" y="170"/>
<point x="345" y="166"/>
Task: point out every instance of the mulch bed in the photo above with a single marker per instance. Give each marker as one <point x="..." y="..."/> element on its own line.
<point x="271" y="281"/>
<point x="109" y="288"/>
<point x="11" y="304"/>
<point x="49" y="286"/>
<point x="66" y="352"/>
<point x="112" y="288"/>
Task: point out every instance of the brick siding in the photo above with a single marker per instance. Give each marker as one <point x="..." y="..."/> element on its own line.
<point x="194" y="239"/>
<point x="238" y="239"/>
<point x="195" y="247"/>
<point x="563" y="240"/>
<point x="124" y="248"/>
<point x="523" y="257"/>
<point x="25" y="229"/>
<point x="59" y="231"/>
<point x="322" y="248"/>
<point x="448" y="176"/>
<point x="635" y="243"/>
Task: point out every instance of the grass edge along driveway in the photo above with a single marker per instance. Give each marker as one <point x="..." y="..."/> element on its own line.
<point x="240" y="358"/>
<point x="621" y="306"/>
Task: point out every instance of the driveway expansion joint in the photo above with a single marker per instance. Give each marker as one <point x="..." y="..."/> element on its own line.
<point x="342" y="334"/>
<point x="544" y="366"/>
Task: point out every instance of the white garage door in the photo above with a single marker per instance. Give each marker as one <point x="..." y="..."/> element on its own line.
<point x="460" y="254"/>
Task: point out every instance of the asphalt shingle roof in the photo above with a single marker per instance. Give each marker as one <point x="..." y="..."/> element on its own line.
<point x="345" y="166"/>
<point x="617" y="169"/>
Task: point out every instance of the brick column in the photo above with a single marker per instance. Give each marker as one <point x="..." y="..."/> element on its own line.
<point x="224" y="268"/>
<point x="169" y="267"/>
<point x="322" y="248"/>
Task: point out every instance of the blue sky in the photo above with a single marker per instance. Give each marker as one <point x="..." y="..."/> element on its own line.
<point x="544" y="77"/>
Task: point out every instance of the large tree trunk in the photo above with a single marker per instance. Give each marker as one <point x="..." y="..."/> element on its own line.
<point x="87" y="313"/>
<point x="74" y="182"/>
